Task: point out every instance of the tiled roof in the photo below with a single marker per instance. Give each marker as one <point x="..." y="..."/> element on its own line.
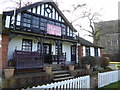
<point x="87" y="43"/>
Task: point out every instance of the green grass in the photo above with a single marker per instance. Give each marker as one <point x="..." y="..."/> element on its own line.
<point x="118" y="66"/>
<point x="113" y="85"/>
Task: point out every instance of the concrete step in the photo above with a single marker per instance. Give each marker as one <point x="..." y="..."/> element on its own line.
<point x="57" y="69"/>
<point x="61" y="75"/>
<point x="60" y="71"/>
<point x="63" y="78"/>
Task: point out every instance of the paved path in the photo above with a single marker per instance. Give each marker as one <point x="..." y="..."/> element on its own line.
<point x="93" y="81"/>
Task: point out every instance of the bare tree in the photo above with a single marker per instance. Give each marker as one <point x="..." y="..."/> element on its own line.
<point x="92" y="18"/>
<point x="18" y="4"/>
<point x="73" y="12"/>
<point x="77" y="13"/>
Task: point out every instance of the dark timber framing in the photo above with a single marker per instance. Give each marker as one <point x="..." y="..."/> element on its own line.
<point x="34" y="20"/>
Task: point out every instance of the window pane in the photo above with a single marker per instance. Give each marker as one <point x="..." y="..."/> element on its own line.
<point x="27" y="45"/>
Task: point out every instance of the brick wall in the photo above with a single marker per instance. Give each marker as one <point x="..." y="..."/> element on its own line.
<point x="4" y="54"/>
<point x="100" y="52"/>
<point x="80" y="53"/>
<point x="0" y="54"/>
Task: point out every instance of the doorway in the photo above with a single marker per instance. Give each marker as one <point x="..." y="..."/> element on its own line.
<point x="46" y="50"/>
<point x="73" y="53"/>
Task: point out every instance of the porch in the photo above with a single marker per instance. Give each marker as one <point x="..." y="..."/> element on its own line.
<point x="34" y="59"/>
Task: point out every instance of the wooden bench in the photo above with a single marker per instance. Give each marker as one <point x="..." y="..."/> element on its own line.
<point x="27" y="59"/>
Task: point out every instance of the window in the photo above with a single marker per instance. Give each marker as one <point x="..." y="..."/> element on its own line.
<point x="87" y="49"/>
<point x="29" y="20"/>
<point x="63" y="27"/>
<point x="96" y="51"/>
<point x="68" y="31"/>
<point x="71" y="33"/>
<point x="35" y="22"/>
<point x="60" y="48"/>
<point x="27" y="45"/>
<point x="43" y="24"/>
<point x="26" y="20"/>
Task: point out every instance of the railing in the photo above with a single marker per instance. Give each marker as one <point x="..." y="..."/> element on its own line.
<point x="61" y="58"/>
<point x="77" y="83"/>
<point x="69" y="62"/>
<point x="107" y="78"/>
<point x="27" y="59"/>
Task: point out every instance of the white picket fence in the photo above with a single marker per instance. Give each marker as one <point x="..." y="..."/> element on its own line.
<point x="80" y="82"/>
<point x="119" y="75"/>
<point x="107" y="78"/>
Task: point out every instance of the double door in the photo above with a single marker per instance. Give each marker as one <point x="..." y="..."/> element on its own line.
<point x="46" y="50"/>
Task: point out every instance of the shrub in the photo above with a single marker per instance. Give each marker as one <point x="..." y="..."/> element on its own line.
<point x="105" y="62"/>
<point x="88" y="60"/>
<point x="98" y="69"/>
<point x="108" y="69"/>
<point x="10" y="63"/>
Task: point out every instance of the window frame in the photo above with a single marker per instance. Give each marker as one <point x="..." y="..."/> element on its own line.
<point x="96" y="51"/>
<point x="26" y="46"/>
<point x="87" y="51"/>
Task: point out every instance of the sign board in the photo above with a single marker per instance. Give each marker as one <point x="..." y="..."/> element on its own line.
<point x="53" y="30"/>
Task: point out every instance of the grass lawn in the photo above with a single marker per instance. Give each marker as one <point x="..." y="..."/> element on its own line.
<point x="113" y="85"/>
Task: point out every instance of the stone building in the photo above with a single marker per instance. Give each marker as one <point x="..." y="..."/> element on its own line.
<point x="109" y="38"/>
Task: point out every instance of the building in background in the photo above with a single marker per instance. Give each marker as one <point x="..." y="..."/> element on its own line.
<point x="109" y="38"/>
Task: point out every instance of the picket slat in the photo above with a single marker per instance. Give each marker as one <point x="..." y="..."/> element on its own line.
<point x="80" y="82"/>
<point x="107" y="78"/>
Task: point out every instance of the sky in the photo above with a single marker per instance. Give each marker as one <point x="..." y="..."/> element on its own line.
<point x="109" y="8"/>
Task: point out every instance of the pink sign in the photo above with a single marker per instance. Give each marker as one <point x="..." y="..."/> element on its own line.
<point x="53" y="30"/>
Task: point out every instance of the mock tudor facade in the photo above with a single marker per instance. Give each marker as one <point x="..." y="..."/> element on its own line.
<point x="40" y="34"/>
<point x="41" y="31"/>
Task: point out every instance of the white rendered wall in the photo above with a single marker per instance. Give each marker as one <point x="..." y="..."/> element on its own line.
<point x="18" y="19"/>
<point x="7" y="21"/>
<point x="99" y="52"/>
<point x="67" y="48"/>
<point x="84" y="53"/>
<point x="92" y="52"/>
<point x="16" y="42"/>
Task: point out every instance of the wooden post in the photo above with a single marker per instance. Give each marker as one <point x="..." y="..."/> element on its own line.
<point x="41" y="40"/>
<point x="58" y="44"/>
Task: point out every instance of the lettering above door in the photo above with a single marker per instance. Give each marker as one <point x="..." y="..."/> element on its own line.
<point x="53" y="30"/>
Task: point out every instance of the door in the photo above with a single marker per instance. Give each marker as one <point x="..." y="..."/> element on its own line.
<point x="73" y="53"/>
<point x="47" y="53"/>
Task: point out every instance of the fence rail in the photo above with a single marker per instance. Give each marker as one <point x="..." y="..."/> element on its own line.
<point x="107" y="78"/>
<point x="80" y="82"/>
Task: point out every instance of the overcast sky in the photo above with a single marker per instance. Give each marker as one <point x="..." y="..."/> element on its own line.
<point x="109" y="7"/>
